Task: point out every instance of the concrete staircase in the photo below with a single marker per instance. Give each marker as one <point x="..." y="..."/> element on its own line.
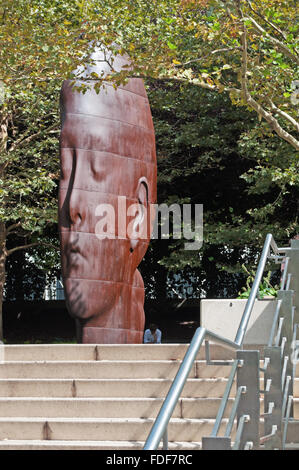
<point x="106" y="396"/>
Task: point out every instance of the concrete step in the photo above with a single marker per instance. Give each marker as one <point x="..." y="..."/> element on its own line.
<point x="10" y="444"/>
<point x="106" y="352"/>
<point x="107" y="407"/>
<point x="101" y="429"/>
<point x="50" y="434"/>
<point x="89" y="445"/>
<point x="106" y="369"/>
<point x="151" y="388"/>
<point x="107" y="396"/>
<point x="199" y="408"/>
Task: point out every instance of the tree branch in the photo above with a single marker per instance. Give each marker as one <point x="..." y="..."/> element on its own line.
<point x="282" y="47"/>
<point x="22" y="247"/>
<point x="31" y="137"/>
<point x="194" y="81"/>
<point x="283" y="114"/>
<point x="248" y="98"/>
<point x="216" y="51"/>
<point x="29" y="245"/>
<point x="258" y="13"/>
<point x="12" y="227"/>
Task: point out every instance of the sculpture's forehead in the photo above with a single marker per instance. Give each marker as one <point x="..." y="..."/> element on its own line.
<point x="124" y="104"/>
<point x="115" y="121"/>
<point x="104" y="135"/>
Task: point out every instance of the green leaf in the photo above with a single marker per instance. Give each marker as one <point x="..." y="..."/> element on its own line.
<point x="171" y="45"/>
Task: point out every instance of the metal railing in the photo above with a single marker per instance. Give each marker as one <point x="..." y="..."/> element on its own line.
<point x="280" y="333"/>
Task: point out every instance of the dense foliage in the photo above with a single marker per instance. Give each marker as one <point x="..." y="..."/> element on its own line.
<point x="221" y="78"/>
<point x="211" y="153"/>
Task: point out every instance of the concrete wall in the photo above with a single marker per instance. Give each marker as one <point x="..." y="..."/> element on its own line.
<point x="223" y="316"/>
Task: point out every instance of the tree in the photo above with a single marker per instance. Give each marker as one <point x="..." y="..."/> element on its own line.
<point x="245" y="48"/>
<point x="241" y="48"/>
<point x="183" y="41"/>
<point x="40" y="43"/>
<point x="212" y="153"/>
<point x="24" y="281"/>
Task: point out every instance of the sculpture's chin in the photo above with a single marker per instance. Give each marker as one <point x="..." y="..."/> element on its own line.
<point x="87" y="300"/>
<point x="108" y="305"/>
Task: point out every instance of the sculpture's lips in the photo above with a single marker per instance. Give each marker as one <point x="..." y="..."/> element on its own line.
<point x="73" y="255"/>
<point x="74" y="250"/>
<point x="71" y="245"/>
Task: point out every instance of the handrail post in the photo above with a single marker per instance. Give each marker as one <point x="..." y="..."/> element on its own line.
<point x="249" y="376"/>
<point x="274" y="395"/>
<point x="286" y="311"/>
<point x="293" y="268"/>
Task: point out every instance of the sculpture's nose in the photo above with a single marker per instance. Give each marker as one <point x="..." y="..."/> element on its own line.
<point x="75" y="207"/>
<point x="76" y="195"/>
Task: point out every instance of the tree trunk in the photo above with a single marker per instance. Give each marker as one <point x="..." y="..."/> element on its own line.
<point x="3" y="149"/>
<point x="2" y="272"/>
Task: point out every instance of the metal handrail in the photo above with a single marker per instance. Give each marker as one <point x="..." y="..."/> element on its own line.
<point x="285" y="395"/>
<point x="174" y="393"/>
<point x="288" y="281"/>
<point x="159" y="428"/>
<point x="284" y="276"/>
<point x="284" y="371"/>
<point x="241" y="389"/>
<point x="269" y="242"/>
<point x="274" y="324"/>
<point x="160" y="425"/>
<point x="286" y="422"/>
<point x="279" y="330"/>
<point x="244" y="419"/>
<point x="224" y="400"/>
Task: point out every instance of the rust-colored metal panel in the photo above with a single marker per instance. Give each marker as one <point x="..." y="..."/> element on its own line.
<point x="107" y="154"/>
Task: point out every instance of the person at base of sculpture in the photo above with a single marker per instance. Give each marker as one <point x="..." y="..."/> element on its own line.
<point x="152" y="334"/>
<point x="107" y="152"/>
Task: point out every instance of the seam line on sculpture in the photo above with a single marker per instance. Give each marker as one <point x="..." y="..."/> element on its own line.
<point x="102" y="192"/>
<point x="93" y="233"/>
<point x="140" y="240"/>
<point x="109" y="84"/>
<point x="109" y="281"/>
<point x="112" y="119"/>
<point x="99" y="192"/>
<point x="110" y="153"/>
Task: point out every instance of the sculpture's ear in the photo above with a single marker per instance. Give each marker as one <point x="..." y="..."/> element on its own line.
<point x="139" y="224"/>
<point x="142" y="192"/>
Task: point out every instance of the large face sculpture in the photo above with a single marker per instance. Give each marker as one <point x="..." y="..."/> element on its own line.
<point x="108" y="160"/>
